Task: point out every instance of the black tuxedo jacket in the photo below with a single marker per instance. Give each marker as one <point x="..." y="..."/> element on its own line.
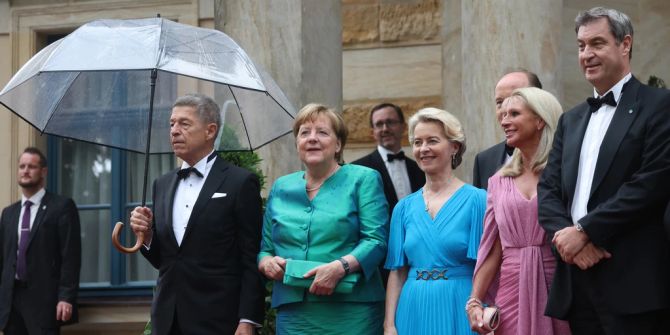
<point x="630" y="190"/>
<point x="487" y="163"/>
<point x="375" y="161"/>
<point x="53" y="259"/>
<point x="211" y="281"/>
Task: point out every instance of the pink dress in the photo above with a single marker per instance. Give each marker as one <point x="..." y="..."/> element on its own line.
<point x="521" y="286"/>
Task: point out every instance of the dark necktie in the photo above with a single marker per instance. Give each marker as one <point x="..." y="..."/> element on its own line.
<point x="596" y="103"/>
<point x="21" y="266"/>
<point x="398" y="156"/>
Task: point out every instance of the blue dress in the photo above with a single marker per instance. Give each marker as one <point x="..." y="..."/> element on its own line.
<point x="445" y="247"/>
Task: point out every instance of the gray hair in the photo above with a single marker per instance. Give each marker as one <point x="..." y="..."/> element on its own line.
<point x="619" y="23"/>
<point x="208" y="110"/>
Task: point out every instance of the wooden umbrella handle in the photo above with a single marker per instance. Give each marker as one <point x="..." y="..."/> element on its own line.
<point x="117" y="244"/>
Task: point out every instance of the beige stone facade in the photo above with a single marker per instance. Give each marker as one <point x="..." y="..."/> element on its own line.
<point x="415" y="53"/>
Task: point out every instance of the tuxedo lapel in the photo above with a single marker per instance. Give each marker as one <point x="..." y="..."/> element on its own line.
<point x="386" y="177"/>
<point x="381" y="166"/>
<point x="573" y="144"/>
<point x="215" y="178"/>
<point x="170" y="203"/>
<point x="625" y="114"/>
<point x="502" y="157"/>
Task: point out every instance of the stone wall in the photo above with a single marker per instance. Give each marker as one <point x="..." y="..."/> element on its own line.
<point x="391" y="52"/>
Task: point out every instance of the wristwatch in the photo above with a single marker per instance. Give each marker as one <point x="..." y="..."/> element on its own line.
<point x="579" y="227"/>
<point x="345" y="265"/>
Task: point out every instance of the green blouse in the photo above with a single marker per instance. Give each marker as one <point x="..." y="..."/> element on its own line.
<point x="349" y="215"/>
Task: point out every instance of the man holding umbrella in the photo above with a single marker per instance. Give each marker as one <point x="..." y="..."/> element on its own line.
<point x="203" y="234"/>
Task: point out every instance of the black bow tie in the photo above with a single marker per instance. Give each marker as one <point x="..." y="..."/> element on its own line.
<point x="184" y="173"/>
<point x="509" y="150"/>
<point x="596" y="103"/>
<point x="398" y="156"/>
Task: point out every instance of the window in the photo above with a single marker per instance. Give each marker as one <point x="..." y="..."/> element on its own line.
<point x="106" y="184"/>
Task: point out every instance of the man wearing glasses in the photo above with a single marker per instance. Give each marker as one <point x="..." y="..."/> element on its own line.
<point x="401" y="175"/>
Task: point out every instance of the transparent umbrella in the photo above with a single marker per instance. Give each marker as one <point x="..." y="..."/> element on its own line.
<point x="113" y="82"/>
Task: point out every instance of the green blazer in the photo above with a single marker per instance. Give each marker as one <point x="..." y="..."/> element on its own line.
<point x="349" y="215"/>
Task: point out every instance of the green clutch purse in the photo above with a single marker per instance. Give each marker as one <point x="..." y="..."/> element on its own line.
<point x="295" y="269"/>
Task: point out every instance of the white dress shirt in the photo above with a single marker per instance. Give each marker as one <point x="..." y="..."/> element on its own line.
<point x="186" y="195"/>
<point x="398" y="172"/>
<point x="36" y="199"/>
<point x="593" y="137"/>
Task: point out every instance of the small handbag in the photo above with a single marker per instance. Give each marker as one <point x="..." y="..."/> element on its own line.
<point x="492" y="317"/>
<point x="296" y="269"/>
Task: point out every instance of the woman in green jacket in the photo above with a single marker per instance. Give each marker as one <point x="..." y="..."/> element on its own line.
<point x="324" y="236"/>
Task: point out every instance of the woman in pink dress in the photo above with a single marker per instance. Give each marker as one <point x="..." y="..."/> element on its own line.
<point x="515" y="264"/>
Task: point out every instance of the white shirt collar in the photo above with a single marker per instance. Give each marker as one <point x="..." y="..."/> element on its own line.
<point x="201" y="165"/>
<point x="616" y="89"/>
<point x="36" y="199"/>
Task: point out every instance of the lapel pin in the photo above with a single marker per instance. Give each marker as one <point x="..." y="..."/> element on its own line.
<point x="630" y="111"/>
<point x="44" y="207"/>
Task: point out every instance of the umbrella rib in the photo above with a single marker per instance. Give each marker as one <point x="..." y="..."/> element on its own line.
<point x="280" y="105"/>
<point x="161" y="45"/>
<point x="58" y="102"/>
<point x="281" y="135"/>
<point x="242" y="118"/>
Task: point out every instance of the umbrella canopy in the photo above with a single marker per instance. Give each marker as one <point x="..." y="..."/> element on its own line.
<point x="113" y="83"/>
<point x="94" y="85"/>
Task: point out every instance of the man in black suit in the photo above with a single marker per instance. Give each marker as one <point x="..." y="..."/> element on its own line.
<point x="203" y="234"/>
<point x="40" y="255"/>
<point x="489" y="161"/>
<point x="400" y="175"/>
<point x="603" y="193"/>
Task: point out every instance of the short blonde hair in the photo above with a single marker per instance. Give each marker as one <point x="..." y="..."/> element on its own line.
<point x="546" y="107"/>
<point x="311" y="112"/>
<point x="453" y="130"/>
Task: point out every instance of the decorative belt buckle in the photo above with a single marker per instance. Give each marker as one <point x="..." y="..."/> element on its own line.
<point x="431" y="274"/>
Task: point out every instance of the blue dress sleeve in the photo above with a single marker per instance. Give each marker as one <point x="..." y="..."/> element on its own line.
<point x="478" y="208"/>
<point x="396" y="258"/>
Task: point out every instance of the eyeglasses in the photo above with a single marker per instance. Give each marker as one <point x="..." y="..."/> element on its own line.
<point x="387" y="123"/>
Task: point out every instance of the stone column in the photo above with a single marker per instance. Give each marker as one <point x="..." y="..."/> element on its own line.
<point x="495" y="36"/>
<point x="299" y="42"/>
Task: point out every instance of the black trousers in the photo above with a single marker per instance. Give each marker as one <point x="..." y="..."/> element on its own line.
<point x="591" y="317"/>
<point x="20" y="321"/>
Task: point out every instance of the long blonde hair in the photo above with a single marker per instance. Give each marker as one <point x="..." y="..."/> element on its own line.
<point x="545" y="106"/>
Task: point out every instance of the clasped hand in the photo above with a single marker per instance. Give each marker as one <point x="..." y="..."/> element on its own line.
<point x="575" y="248"/>
<point x="326" y="277"/>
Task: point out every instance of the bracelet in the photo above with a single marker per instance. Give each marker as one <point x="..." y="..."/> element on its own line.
<point x="345" y="265"/>
<point x="472" y="303"/>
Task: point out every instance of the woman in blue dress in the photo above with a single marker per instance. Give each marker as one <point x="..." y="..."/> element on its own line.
<point x="434" y="235"/>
